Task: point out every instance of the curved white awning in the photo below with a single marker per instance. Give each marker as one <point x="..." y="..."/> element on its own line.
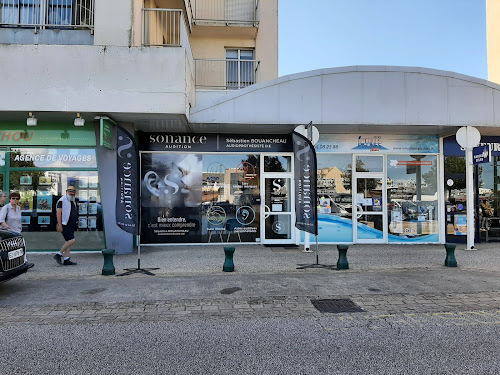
<point x="350" y="99"/>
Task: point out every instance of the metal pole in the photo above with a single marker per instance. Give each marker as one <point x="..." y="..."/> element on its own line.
<point x="469" y="183"/>
<point x="138" y="251"/>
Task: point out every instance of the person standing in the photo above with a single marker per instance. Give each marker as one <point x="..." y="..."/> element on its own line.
<point x="3" y="198"/>
<point x="67" y="217"/>
<point x="10" y="218"/>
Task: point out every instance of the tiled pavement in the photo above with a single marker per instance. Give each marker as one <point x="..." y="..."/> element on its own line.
<point x="447" y="305"/>
<point x="470" y="301"/>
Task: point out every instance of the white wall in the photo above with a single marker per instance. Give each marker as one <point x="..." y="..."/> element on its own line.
<point x="113" y="22"/>
<point x="94" y="79"/>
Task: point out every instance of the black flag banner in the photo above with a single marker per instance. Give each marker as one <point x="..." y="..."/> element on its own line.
<point x="305" y="173"/>
<point x="127" y="184"/>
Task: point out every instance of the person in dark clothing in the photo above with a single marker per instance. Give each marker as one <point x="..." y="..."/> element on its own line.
<point x="67" y="217"/>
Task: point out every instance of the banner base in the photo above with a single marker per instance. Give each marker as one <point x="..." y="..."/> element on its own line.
<point x="145" y="271"/>
<point x="322" y="266"/>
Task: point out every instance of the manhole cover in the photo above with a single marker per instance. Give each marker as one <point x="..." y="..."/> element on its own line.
<point x="335" y="306"/>
<point x="230" y="290"/>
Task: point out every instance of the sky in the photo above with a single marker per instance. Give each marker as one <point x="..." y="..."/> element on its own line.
<point x="438" y="34"/>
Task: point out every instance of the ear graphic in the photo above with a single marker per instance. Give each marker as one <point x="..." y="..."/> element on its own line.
<point x="151" y="180"/>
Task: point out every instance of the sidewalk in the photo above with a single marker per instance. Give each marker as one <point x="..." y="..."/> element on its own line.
<point x="190" y="283"/>
<point x="188" y="260"/>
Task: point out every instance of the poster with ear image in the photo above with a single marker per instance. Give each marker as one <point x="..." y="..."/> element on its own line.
<point x="171" y="198"/>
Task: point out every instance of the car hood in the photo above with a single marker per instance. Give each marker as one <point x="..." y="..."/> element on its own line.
<point x="4" y="234"/>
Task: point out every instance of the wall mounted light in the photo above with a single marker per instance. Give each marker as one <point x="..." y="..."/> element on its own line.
<point x="31" y="120"/>
<point x="79" y="121"/>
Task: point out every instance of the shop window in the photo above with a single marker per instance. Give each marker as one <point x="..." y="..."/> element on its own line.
<point x="335" y="198"/>
<point x="41" y="176"/>
<point x="412" y="196"/>
<point x="40" y="191"/>
<point x="192" y="198"/>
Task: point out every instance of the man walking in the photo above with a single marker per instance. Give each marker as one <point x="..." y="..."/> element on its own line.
<point x="67" y="217"/>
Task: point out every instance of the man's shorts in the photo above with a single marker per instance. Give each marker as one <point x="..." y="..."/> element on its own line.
<point x="68" y="232"/>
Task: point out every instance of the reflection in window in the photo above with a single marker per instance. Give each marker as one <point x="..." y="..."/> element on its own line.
<point x="40" y="191"/>
<point x="277" y="163"/>
<point x="335" y="197"/>
<point x="231" y="198"/>
<point x="412" y="197"/>
<point x="369" y="164"/>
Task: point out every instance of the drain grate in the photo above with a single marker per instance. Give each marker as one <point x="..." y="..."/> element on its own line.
<point x="335" y="306"/>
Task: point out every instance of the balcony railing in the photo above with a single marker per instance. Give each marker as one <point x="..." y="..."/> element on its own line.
<point x="162" y="27"/>
<point x="41" y="14"/>
<point x="225" y="74"/>
<point x="226" y="12"/>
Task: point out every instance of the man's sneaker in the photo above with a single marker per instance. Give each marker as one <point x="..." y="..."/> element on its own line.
<point x="30" y="265"/>
<point x="68" y="262"/>
<point x="58" y="258"/>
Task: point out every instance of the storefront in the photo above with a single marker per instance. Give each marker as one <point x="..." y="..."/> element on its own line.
<point x="212" y="188"/>
<point x="40" y="163"/>
<point x="219" y="188"/>
<point x="486" y="192"/>
<point x="389" y="196"/>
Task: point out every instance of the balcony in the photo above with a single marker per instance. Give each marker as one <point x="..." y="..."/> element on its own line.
<point x="225" y="74"/>
<point x="224" y="12"/>
<point x="46" y="14"/>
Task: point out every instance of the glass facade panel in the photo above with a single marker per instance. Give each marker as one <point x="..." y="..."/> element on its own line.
<point x="334" y="198"/>
<point x="278" y="227"/>
<point x="190" y="198"/>
<point x="277" y="163"/>
<point x="412" y="198"/>
<point x="369" y="163"/>
<point x="40" y="191"/>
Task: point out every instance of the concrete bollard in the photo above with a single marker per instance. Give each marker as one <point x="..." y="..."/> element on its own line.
<point x="450" y="260"/>
<point x="342" y="263"/>
<point x="108" y="268"/>
<point x="228" y="262"/>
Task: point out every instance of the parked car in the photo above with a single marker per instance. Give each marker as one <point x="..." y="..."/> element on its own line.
<point x="12" y="250"/>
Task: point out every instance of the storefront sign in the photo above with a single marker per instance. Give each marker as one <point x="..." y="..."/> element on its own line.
<point x="382" y="144"/>
<point x="452" y="148"/>
<point x="481" y="154"/>
<point x="20" y="135"/>
<point x="127" y="172"/>
<point x="106" y="133"/>
<point x="305" y="173"/>
<point x="410" y="162"/>
<point x="214" y="142"/>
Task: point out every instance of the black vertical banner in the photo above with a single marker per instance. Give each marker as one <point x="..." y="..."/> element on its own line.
<point x="305" y="174"/>
<point x="127" y="174"/>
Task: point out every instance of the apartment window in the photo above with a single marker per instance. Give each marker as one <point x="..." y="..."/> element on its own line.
<point x="240" y="68"/>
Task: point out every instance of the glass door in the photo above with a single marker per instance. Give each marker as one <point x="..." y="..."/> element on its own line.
<point x="370" y="199"/>
<point x="277" y="204"/>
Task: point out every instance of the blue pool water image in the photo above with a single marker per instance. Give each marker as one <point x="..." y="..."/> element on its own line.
<point x="337" y="229"/>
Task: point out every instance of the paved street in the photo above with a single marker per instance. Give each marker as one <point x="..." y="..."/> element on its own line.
<point x="416" y="316"/>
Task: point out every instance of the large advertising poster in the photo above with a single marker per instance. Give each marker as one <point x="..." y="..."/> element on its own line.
<point x="171" y="198"/>
<point x="190" y="198"/>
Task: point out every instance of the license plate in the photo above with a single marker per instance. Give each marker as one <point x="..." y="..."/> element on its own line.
<point x="15" y="253"/>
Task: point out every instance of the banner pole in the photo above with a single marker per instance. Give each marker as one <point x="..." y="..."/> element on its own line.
<point x="139" y="252"/>
<point x="317" y="250"/>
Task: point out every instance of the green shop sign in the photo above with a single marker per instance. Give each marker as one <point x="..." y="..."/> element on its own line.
<point x="106" y="133"/>
<point x="19" y="134"/>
